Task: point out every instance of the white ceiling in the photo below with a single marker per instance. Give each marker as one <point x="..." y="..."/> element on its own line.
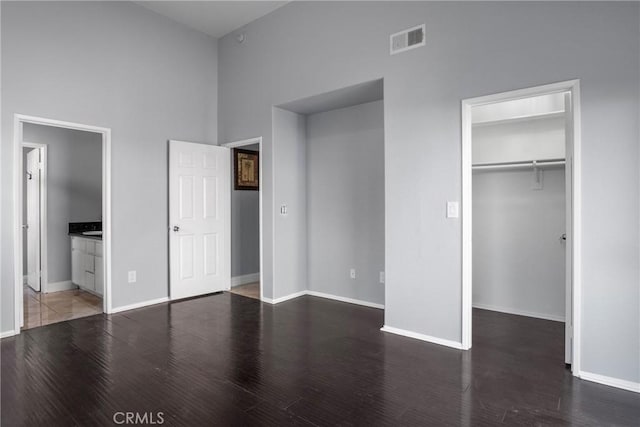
<point x="215" y="18"/>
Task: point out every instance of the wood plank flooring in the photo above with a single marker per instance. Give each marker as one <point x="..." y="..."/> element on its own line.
<point x="229" y="360"/>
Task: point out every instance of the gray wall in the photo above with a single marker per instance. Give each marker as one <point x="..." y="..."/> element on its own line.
<point x="345" y="201"/>
<point x="518" y="258"/>
<point x="290" y="230"/>
<point x="117" y="65"/>
<point x="74" y="188"/>
<point x="472" y="49"/>
<point x="245" y="228"/>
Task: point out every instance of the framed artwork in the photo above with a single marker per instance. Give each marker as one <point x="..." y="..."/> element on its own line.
<point x="245" y="173"/>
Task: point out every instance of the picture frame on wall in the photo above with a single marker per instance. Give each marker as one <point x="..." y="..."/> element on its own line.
<point x="246" y="173"/>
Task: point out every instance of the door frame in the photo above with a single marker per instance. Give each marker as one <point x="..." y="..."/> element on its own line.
<point x="574" y="151"/>
<point x="243" y="143"/>
<point x="43" y="209"/>
<point x="18" y="122"/>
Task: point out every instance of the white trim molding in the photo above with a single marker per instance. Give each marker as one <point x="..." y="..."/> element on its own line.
<point x="345" y="299"/>
<point x="139" y="305"/>
<point x="284" y="298"/>
<point x="243" y="142"/>
<point x="422" y="337"/>
<point x="7" y="334"/>
<point x="65" y="285"/>
<point x="323" y="295"/>
<point x="610" y="381"/>
<point x="244" y="279"/>
<point x="18" y="121"/>
<point x="517" y="312"/>
<point x="573" y="87"/>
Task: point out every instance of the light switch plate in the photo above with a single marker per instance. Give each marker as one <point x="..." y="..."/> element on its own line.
<point x="132" y="277"/>
<point x="452" y="210"/>
<point x="283" y="209"/>
<point x="352" y="273"/>
<point x="382" y="277"/>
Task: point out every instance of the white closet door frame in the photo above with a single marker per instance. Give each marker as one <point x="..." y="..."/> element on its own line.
<point x="574" y="235"/>
<point x="569" y="208"/>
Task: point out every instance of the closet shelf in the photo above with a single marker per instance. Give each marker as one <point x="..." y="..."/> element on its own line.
<point x="519" y="165"/>
<point x="524" y="118"/>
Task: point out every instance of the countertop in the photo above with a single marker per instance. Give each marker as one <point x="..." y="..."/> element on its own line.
<point x="85" y="236"/>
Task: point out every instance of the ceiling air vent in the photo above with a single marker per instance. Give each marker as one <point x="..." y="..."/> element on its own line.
<point x="407" y="39"/>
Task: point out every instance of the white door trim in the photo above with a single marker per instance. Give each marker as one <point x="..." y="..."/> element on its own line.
<point x="43" y="212"/>
<point x="572" y="86"/>
<point x="18" y="121"/>
<point x="242" y="143"/>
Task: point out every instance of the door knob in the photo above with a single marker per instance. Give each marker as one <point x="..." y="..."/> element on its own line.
<point x="563" y="237"/>
<point x="176" y="228"/>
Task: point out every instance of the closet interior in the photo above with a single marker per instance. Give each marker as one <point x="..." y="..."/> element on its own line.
<point x="520" y="207"/>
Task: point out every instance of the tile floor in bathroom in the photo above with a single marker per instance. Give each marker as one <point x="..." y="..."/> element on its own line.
<point x="43" y="309"/>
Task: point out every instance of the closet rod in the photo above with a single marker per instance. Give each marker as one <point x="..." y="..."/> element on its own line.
<point x="514" y="165"/>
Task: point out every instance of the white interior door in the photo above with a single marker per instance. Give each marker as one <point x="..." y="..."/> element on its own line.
<point x="199" y="218"/>
<point x="33" y="219"/>
<point x="568" y="170"/>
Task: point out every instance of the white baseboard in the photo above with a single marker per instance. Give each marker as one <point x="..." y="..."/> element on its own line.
<point x="7" y="334"/>
<point x="284" y="298"/>
<point x="345" y="299"/>
<point x="243" y="280"/>
<point x="610" y="381"/>
<point x="322" y="295"/>
<point x="139" y="305"/>
<point x="65" y="285"/>
<point x="519" y="312"/>
<point x="422" y="337"/>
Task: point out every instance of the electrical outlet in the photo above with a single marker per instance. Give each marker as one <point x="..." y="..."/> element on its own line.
<point x="382" y="277"/>
<point x="352" y="273"/>
<point x="132" y="277"/>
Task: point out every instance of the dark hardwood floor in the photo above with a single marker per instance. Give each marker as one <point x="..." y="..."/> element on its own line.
<point x="230" y="360"/>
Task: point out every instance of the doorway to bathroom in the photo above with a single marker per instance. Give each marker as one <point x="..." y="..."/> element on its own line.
<point x="62" y="217"/>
